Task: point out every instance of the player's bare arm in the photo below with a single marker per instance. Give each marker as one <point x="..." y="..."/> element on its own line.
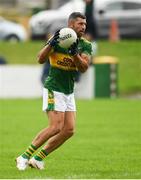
<point x="44" y="53"/>
<point x="82" y="62"/>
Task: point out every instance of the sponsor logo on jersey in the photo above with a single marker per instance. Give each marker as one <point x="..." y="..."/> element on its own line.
<point x="66" y="62"/>
<point x="62" y="61"/>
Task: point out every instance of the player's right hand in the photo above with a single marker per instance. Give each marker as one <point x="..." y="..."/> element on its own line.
<point x="55" y="39"/>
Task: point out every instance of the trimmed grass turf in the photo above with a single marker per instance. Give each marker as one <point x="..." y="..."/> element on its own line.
<point x="107" y="143"/>
<point x="128" y="53"/>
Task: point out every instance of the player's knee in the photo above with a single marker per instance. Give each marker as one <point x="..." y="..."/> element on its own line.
<point x="69" y="132"/>
<point x="55" y="129"/>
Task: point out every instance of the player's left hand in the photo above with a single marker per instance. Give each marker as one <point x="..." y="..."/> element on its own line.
<point x="73" y="50"/>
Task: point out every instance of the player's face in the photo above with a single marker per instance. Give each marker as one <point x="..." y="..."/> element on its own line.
<point x="79" y="25"/>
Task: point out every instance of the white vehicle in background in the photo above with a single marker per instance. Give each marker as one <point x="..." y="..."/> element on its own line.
<point x="11" y="31"/>
<point x="127" y="13"/>
<point x="41" y="22"/>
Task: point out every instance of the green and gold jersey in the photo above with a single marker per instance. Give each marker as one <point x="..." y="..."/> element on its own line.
<point x="62" y="68"/>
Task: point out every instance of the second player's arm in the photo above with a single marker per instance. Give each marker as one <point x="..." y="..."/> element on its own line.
<point x="81" y="62"/>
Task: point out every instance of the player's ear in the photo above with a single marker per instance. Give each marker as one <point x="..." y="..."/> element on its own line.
<point x="70" y="23"/>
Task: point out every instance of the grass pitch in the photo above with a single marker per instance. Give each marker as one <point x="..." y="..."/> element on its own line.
<point x="107" y="143"/>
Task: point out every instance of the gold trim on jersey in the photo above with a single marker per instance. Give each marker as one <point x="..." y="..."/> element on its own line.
<point x="62" y="61"/>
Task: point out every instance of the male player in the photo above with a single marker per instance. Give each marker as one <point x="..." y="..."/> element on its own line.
<point x="58" y="97"/>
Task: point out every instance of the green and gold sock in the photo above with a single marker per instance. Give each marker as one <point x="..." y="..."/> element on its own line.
<point x="41" y="155"/>
<point x="30" y="150"/>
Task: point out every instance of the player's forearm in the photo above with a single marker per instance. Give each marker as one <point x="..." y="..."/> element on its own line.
<point x="44" y="53"/>
<point x="80" y="63"/>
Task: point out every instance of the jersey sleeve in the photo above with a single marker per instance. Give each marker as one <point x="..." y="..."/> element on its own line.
<point x="87" y="49"/>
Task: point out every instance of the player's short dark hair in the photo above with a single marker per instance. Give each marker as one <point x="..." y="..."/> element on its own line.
<point x="75" y="15"/>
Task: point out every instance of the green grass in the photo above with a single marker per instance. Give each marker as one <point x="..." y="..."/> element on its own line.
<point x="20" y="53"/>
<point x="128" y="53"/>
<point x="107" y="142"/>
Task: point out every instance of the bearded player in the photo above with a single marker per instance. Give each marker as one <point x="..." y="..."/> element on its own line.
<point x="58" y="96"/>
